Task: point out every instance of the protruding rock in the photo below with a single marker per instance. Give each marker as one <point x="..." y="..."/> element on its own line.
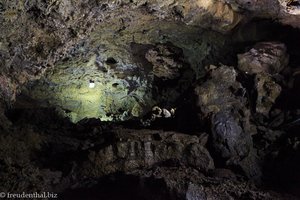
<point x="229" y="139"/>
<point x="221" y="92"/>
<point x="267" y="92"/>
<point x="264" y="57"/>
<point x="223" y="98"/>
<point x="263" y="61"/>
<point x="167" y="61"/>
<point x="234" y="145"/>
<point x="131" y="150"/>
<point x="195" y="192"/>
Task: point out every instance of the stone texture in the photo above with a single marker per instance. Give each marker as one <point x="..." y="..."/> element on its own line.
<point x="48" y="35"/>
<point x="131" y="151"/>
<point x="281" y="10"/>
<point x="52" y="155"/>
<point x="125" y="81"/>
<point x="167" y="61"/>
<point x="221" y="99"/>
<point x="38" y="33"/>
<point x="117" y="61"/>
<point x="198" y="186"/>
<point x="229" y="140"/>
<point x="221" y="92"/>
<point x="264" y="57"/>
<point x="263" y="61"/>
<point x="267" y="93"/>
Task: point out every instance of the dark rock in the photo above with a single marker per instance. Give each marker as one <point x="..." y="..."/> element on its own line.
<point x="224" y="174"/>
<point x="267" y="93"/>
<point x="167" y="61"/>
<point x="267" y="57"/>
<point x="221" y="92"/>
<point x="188" y="183"/>
<point x="131" y="150"/>
<point x="222" y="99"/>
<point x="229" y="139"/>
<point x="195" y="192"/>
<point x="264" y="61"/>
<point x="122" y="61"/>
<point x="234" y="145"/>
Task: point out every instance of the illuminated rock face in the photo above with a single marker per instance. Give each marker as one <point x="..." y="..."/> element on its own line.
<point x="95" y="49"/>
<point x="80" y="90"/>
<point x="118" y="81"/>
<point x="118" y="75"/>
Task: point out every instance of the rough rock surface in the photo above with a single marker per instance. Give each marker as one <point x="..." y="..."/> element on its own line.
<point x="39" y="35"/>
<point x="265" y="57"/>
<point x="131" y="151"/>
<point x="62" y="30"/>
<point x="214" y="187"/>
<point x="265" y="60"/>
<point x="229" y="139"/>
<point x="167" y="62"/>
<point x="90" y="42"/>
<point x="219" y="92"/>
<point x="267" y="93"/>
<point x="285" y="11"/>
<point x="222" y="93"/>
<point x="222" y="98"/>
<point x="67" y="66"/>
<point x="62" y="153"/>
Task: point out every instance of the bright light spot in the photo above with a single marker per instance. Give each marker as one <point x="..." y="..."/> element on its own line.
<point x="92" y="84"/>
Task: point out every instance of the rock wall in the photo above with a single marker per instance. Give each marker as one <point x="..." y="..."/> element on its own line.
<point x="39" y="36"/>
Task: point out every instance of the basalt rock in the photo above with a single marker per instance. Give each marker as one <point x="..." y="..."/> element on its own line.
<point x="167" y="61"/>
<point x="234" y="145"/>
<point x="197" y="186"/>
<point x="267" y="93"/>
<point x="47" y="32"/>
<point x="284" y="11"/>
<point x="222" y="99"/>
<point x="263" y="61"/>
<point x="265" y="57"/>
<point x="130" y="151"/>
<point x="221" y="92"/>
<point x="229" y="140"/>
<point x="101" y="69"/>
<point x="78" y="76"/>
<point x="93" y="38"/>
<point x="35" y="35"/>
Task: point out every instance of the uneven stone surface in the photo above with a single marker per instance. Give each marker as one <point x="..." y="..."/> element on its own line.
<point x="167" y="62"/>
<point x="95" y="32"/>
<point x="285" y="11"/>
<point x="263" y="61"/>
<point x="150" y="99"/>
<point x="265" y="57"/>
<point x="213" y="97"/>
<point x="90" y="33"/>
<point x="131" y="151"/>
<point x="103" y="50"/>
<point x="229" y="139"/>
<point x="222" y="98"/>
<point x="71" y="161"/>
<point x="215" y="187"/>
<point x="267" y="93"/>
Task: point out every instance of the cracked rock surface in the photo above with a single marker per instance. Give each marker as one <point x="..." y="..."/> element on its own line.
<point x="150" y="99"/>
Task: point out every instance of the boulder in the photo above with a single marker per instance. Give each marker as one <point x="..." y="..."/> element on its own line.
<point x="264" y="57"/>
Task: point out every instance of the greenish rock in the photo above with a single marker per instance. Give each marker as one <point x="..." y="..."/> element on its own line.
<point x="110" y="98"/>
<point x="107" y="75"/>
